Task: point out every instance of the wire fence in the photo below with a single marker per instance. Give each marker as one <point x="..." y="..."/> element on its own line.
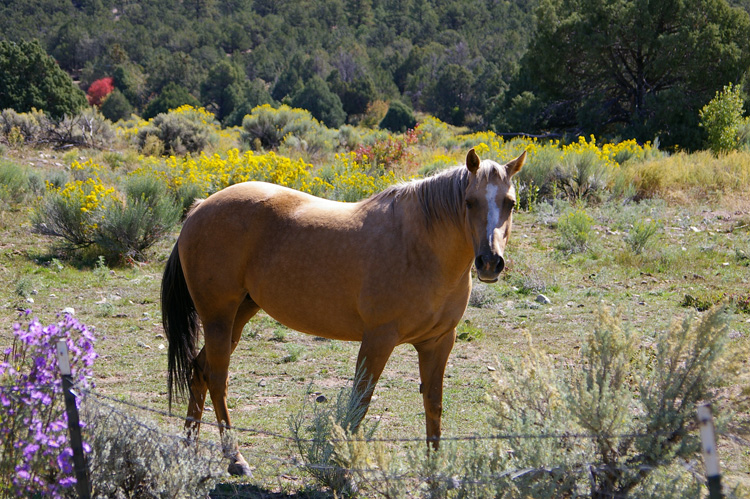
<point x="412" y="477"/>
<point x="154" y="443"/>
<point x="460" y="438"/>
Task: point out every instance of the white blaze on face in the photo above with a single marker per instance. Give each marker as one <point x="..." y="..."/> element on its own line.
<point x="493" y="211"/>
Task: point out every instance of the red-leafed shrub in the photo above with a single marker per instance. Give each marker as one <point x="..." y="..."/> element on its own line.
<point x="99" y="90"/>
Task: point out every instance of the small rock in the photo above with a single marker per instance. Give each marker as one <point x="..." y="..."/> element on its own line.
<point x="694" y="229"/>
<point x="321" y="399"/>
<point x="490" y="368"/>
<point x="143" y="345"/>
<point x="161" y="346"/>
<point x="540" y="298"/>
<point x="69" y="311"/>
<point x="29" y="300"/>
<point x="262" y="382"/>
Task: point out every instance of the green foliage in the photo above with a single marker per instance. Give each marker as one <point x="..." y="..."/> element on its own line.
<point x="21" y="128"/>
<point x="171" y="97"/>
<point x="356" y="94"/>
<point x="615" y="389"/>
<point x="641" y="235"/>
<point x="116" y="107"/>
<point x="721" y="118"/>
<point x="266" y="127"/>
<point x="88" y="214"/>
<point x="131" y="457"/>
<point x="183" y="130"/>
<point x="128" y="229"/>
<point x="88" y="129"/>
<point x="703" y="300"/>
<point x="316" y="431"/>
<point x="322" y="103"/>
<point x="582" y="176"/>
<point x="399" y="118"/>
<point x="31" y="79"/>
<point x="617" y="422"/>
<point x="15" y="185"/>
<point x="482" y="295"/>
<point x="448" y="96"/>
<point x="466" y="331"/>
<point x="610" y="68"/>
<point x="574" y="228"/>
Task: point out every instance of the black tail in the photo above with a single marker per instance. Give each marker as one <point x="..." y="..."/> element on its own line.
<point x="181" y="326"/>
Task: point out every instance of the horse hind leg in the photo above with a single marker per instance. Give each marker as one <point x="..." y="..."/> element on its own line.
<point x="199" y="381"/>
<point x="247" y="310"/>
<point x="198" y="388"/>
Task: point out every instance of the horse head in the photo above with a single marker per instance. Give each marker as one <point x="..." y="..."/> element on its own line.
<point x="490" y="199"/>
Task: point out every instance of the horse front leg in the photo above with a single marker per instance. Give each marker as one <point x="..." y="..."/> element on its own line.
<point x="374" y="353"/>
<point x="433" y="357"/>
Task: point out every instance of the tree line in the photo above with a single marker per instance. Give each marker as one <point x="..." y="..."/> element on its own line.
<point x="631" y="69"/>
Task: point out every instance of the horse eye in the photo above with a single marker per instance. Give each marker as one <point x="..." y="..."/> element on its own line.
<point x="470" y="203"/>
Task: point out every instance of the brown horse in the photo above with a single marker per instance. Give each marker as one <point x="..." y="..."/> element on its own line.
<point x="392" y="269"/>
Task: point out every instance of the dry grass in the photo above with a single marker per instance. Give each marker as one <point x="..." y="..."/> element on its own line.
<point x="681" y="177"/>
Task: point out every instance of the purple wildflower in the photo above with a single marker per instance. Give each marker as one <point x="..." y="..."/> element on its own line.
<point x="36" y="458"/>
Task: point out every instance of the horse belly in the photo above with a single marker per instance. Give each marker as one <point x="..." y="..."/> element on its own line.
<point x="310" y="287"/>
<point x="312" y="311"/>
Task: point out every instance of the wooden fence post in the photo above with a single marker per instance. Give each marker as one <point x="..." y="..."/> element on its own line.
<point x="74" y="428"/>
<point x="710" y="453"/>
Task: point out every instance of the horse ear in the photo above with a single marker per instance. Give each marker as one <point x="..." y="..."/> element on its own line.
<point x="514" y="166"/>
<point x="472" y="161"/>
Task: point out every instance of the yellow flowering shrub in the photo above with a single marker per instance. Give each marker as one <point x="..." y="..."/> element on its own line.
<point x="73" y="211"/>
<point x="343" y="180"/>
<point x="579" y="169"/>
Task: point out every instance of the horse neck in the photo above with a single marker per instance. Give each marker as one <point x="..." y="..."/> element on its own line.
<point x="448" y="241"/>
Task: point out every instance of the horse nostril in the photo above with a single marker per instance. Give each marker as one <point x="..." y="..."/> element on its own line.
<point x="500" y="265"/>
<point x="479" y="262"/>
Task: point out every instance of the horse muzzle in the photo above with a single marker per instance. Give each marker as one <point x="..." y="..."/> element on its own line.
<point x="489" y="266"/>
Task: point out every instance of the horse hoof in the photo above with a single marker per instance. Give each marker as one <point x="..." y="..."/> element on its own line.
<point x="240" y="468"/>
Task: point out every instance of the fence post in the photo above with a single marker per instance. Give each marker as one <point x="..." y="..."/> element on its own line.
<point x="710" y="453"/>
<point x="74" y="428"/>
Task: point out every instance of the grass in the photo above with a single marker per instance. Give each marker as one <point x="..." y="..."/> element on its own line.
<point x="701" y="252"/>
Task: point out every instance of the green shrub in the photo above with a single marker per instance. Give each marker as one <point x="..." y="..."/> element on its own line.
<point x="321" y="102"/>
<point x="722" y="118"/>
<point x="130" y="457"/>
<point x="482" y="295"/>
<point x="583" y="176"/>
<point x="172" y="96"/>
<point x="180" y="131"/>
<point x="87" y="213"/>
<point x="317" y="432"/>
<point x="21" y="128"/>
<point x="268" y="128"/>
<point x="641" y="235"/>
<point x="148" y="214"/>
<point x="15" y="183"/>
<point x="574" y="228"/>
<point x="614" y="390"/>
<point x="62" y="217"/>
<point x="399" y="118"/>
<point x="87" y="130"/>
<point x="116" y="107"/>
